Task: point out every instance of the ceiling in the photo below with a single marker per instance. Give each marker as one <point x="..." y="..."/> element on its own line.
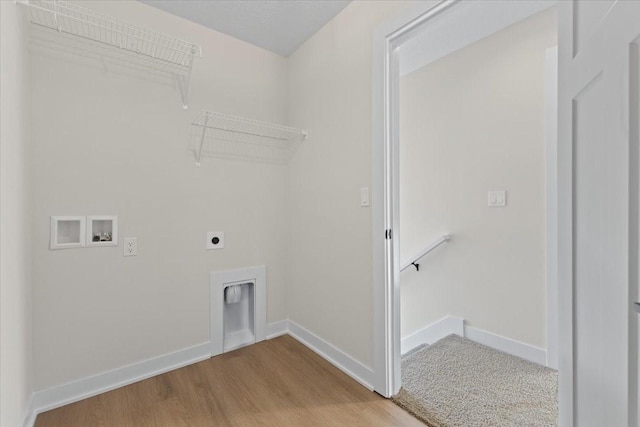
<point x="280" y="26"/>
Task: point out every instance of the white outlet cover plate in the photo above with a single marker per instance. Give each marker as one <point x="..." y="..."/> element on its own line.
<point x="211" y="235"/>
<point x="130" y="246"/>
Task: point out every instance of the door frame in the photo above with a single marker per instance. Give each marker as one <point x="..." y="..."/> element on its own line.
<point x="387" y="38"/>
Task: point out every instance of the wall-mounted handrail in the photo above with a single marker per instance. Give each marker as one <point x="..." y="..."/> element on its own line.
<point x="431" y="246"/>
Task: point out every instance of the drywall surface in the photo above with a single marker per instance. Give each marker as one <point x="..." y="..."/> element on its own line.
<point x="110" y="137"/>
<point x="330" y="282"/>
<point x="16" y="335"/>
<point x="470" y="123"/>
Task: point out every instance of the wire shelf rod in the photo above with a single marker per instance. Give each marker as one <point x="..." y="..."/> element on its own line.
<point x="204" y="131"/>
<point x="278" y="138"/>
<point x="238" y="120"/>
<point x="88" y="24"/>
<point x="144" y="32"/>
<point x="234" y="135"/>
<point x="109" y="44"/>
<point x="69" y="18"/>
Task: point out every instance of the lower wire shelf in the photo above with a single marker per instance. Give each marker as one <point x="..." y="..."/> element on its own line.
<point x="234" y="137"/>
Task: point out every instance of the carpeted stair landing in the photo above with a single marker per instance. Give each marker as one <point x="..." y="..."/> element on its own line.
<point x="458" y="382"/>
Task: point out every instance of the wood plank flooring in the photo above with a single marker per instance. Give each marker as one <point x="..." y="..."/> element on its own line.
<point x="273" y="383"/>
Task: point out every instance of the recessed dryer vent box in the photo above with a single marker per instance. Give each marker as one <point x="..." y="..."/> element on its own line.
<point x="67" y="232"/>
<point x="102" y="230"/>
<point x="238" y="319"/>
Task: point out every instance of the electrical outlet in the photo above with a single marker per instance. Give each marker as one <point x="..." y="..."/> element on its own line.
<point x="215" y="240"/>
<point x="130" y="246"/>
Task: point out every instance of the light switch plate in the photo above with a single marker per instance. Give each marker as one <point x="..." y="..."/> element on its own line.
<point x="215" y="240"/>
<point x="497" y="199"/>
<point x="364" y="197"/>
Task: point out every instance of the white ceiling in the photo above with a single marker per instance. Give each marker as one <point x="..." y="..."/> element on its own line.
<point x="280" y="26"/>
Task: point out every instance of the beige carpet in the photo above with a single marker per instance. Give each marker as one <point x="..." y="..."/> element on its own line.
<point x="457" y="382"/>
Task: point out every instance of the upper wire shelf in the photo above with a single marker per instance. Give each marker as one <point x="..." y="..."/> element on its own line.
<point x="227" y="136"/>
<point x="70" y="18"/>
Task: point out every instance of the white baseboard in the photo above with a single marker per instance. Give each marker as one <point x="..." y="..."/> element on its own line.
<point x="508" y="345"/>
<point x="55" y="397"/>
<point x="437" y="330"/>
<point x="90" y="386"/>
<point x="455" y="325"/>
<point x="61" y="395"/>
<point x="333" y="355"/>
<point x="29" y="416"/>
<point x="277" y="329"/>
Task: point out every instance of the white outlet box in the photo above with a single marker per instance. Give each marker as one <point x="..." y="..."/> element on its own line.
<point x="215" y="240"/>
<point x="102" y="231"/>
<point x="130" y="246"/>
<point x="67" y="232"/>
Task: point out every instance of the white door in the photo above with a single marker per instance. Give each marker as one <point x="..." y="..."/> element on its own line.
<point x="598" y="207"/>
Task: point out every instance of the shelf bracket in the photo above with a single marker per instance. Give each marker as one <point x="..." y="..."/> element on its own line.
<point x="55" y="15"/>
<point x="185" y="84"/>
<point x="204" y="131"/>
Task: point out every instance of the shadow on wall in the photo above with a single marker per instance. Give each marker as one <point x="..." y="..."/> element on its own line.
<point x="238" y="138"/>
<point x="87" y="53"/>
<point x="264" y="145"/>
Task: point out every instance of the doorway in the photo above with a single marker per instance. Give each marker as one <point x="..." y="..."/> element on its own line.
<point x="472" y="177"/>
<point x="449" y="25"/>
<point x="597" y="122"/>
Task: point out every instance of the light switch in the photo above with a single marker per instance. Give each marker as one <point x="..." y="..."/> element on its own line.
<point x="364" y="197"/>
<point x="497" y="198"/>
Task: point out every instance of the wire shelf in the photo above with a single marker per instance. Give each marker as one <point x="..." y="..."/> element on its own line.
<point x="70" y="18"/>
<point x="226" y="136"/>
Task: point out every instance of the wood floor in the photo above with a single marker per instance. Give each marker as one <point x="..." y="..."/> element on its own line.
<point x="273" y="383"/>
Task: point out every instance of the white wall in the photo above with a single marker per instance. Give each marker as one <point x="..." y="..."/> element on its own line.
<point x="473" y="122"/>
<point x="16" y="374"/>
<point x="330" y="284"/>
<point x="111" y="137"/>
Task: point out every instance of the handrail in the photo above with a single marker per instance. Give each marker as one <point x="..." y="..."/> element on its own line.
<point x="442" y="239"/>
